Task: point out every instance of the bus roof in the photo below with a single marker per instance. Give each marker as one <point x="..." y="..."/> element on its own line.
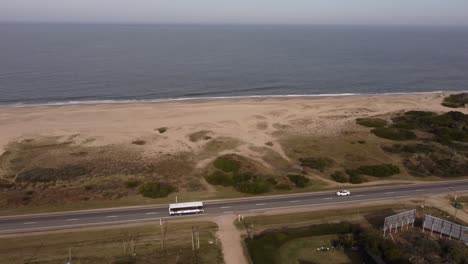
<point x="183" y="205"/>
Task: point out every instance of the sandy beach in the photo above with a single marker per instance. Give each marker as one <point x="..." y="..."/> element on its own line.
<point x="92" y="152"/>
<point x="252" y="121"/>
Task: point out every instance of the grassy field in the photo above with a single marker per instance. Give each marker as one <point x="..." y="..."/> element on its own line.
<point x="115" y="246"/>
<point x="294" y="238"/>
<point x="364" y="214"/>
<point x="305" y="250"/>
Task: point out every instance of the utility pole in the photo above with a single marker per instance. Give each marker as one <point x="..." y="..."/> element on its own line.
<point x="162" y="233"/>
<point x="198" y="237"/>
<point x="69" y="256"/>
<point x="456" y="205"/>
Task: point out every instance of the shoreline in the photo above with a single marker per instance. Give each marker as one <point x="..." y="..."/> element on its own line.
<point x="213" y="98"/>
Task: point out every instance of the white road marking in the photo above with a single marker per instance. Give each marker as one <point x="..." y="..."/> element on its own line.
<point x="389" y="192"/>
<point x="111" y="216"/>
<point x="73" y="219"/>
<point x="328" y="198"/>
<point x="295" y="201"/>
<point x="260" y="204"/>
<point x="224" y="207"/>
<point x="151" y="213"/>
<point x="29" y="223"/>
<point x="419" y="190"/>
<point x="228" y="212"/>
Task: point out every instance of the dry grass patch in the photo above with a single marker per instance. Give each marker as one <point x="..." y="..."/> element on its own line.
<point x="106" y="246"/>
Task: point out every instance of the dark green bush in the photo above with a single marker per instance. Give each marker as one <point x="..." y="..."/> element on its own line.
<point x="156" y="190"/>
<point x="411" y="148"/>
<point x="253" y="187"/>
<point x="447" y="127"/>
<point x="130" y="184"/>
<point x="139" y="142"/>
<point x="394" y="133"/>
<point x="339" y="176"/>
<point x="237" y="179"/>
<point x="227" y="164"/>
<point x="283" y="187"/>
<point x="371" y="122"/>
<point x="298" y="180"/>
<point x="383" y="170"/>
<point x="316" y="163"/>
<point x="355" y="178"/>
<point x="444" y="166"/>
<point x="456" y="100"/>
<point x="162" y="129"/>
<point x="219" y="178"/>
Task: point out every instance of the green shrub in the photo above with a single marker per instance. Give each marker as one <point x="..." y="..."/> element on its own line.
<point x="227" y="164"/>
<point x="298" y="180"/>
<point x="394" y="133"/>
<point x="130" y="184"/>
<point x="383" y="170"/>
<point x="316" y="163"/>
<point x="162" y="129"/>
<point x="156" y="190"/>
<point x="355" y="178"/>
<point x="456" y="100"/>
<point x="371" y="122"/>
<point x="237" y="179"/>
<point x="283" y="187"/>
<point x="253" y="187"/>
<point x="411" y="148"/>
<point x="339" y="176"/>
<point x="219" y="178"/>
<point x="447" y="127"/>
<point x="139" y="142"/>
<point x="445" y="166"/>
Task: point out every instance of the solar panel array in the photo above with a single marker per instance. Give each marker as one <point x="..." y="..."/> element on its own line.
<point x="444" y="227"/>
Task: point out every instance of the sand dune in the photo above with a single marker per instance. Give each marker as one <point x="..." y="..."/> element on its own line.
<point x="253" y="121"/>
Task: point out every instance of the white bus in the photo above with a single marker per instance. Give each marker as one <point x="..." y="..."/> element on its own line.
<point x="186" y="208"/>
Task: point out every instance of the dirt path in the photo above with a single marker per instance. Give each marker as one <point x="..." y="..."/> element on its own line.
<point x="443" y="203"/>
<point x="231" y="240"/>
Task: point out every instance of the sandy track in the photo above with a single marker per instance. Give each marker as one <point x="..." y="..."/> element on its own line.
<point x="231" y="240"/>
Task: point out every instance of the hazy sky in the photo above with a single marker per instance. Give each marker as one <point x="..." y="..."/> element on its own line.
<point x="440" y="12"/>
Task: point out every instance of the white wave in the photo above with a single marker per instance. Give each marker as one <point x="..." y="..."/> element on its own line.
<point x="129" y="101"/>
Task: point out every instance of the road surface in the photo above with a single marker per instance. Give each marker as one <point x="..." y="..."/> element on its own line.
<point x="114" y="216"/>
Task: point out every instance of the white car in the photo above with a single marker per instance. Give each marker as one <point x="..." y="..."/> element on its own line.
<point x="343" y="193"/>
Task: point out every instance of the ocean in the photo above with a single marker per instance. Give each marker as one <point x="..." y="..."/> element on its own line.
<point x="85" y="63"/>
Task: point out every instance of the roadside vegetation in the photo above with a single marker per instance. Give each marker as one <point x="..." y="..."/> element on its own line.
<point x="156" y="190"/>
<point x="129" y="245"/>
<point x="442" y="150"/>
<point x="240" y="173"/>
<point x="318" y="163"/>
<point x="265" y="248"/>
<point x="308" y="239"/>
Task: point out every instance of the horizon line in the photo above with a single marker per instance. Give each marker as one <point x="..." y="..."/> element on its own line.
<point x="225" y="24"/>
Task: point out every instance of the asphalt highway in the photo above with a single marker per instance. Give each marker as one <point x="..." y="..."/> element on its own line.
<point x="114" y="216"/>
